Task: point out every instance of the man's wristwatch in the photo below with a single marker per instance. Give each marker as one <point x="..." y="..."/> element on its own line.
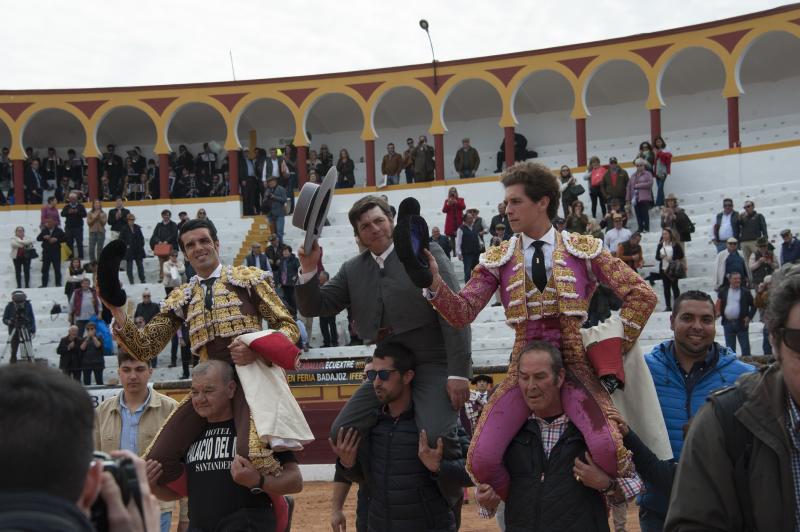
<point x="256" y="490"/>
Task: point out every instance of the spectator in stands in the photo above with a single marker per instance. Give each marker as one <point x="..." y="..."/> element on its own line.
<point x="674" y="217"/>
<point x="75" y="274"/>
<point x="132" y="235"/>
<point x="274" y="253"/>
<point x="183" y="161"/>
<point x="69" y="351"/>
<point x="130" y="419"/>
<point x="74" y="213"/>
<point x="314" y="163"/>
<point x="662" y="165"/>
<point x="172" y="272"/>
<point x="114" y="166"/>
<point x="615" y="182"/>
<point x="762" y="262"/>
<point x="501" y="218"/>
<point x="595" y="177"/>
<point x="736" y="307"/>
<point x="273" y="206"/>
<point x="83" y="304"/>
<point x="165" y="232"/>
<point x="729" y="261"/>
<point x="183" y="217"/>
<point x="686" y="370"/>
<point x="761" y="301"/>
<point x="453" y="209"/>
<point x="594" y="229"/>
<point x="21" y="253"/>
<point x="202" y="214"/>
<point x="467" y="160"/>
<point x="62" y="190"/>
<point x="567" y="182"/>
<point x="408" y="160"/>
<point x="106" y="193"/>
<point x="479" y="225"/>
<point x="207" y="159"/>
<point x="96" y="220"/>
<point x="327" y="324"/>
<point x="287" y="276"/>
<point x="346" y="168"/>
<point x="34" y="184"/>
<point x="615" y="207"/>
<point x="49" y="210"/>
<point x="290" y="173"/>
<point x="443" y="241"/>
<point x="92" y="361"/>
<point x="220" y="186"/>
<point x="147" y="309"/>
<point x="646" y="152"/>
<point x="51" y="238"/>
<point x="326" y="158"/>
<point x="752" y="226"/>
<point x="391" y="165"/>
<point x="74" y="166"/>
<point x="790" y="248"/>
<point x="250" y="187"/>
<point x="117" y="217"/>
<point x="398" y="454"/>
<point x="671" y="265"/>
<point x="630" y="251"/>
<point x="257" y="258"/>
<point x="52" y="167"/>
<point x="616" y="235"/>
<point x="468" y="246"/>
<point x="640" y="195"/>
<point x="313" y="176"/>
<point x="18" y="307"/>
<point x="559" y="223"/>
<point x="726" y="226"/>
<point x="577" y="221"/>
<point x="521" y="151"/>
<point x="424" y="164"/>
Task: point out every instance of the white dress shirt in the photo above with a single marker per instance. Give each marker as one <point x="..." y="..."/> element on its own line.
<point x="615" y="237"/>
<point x="733" y="305"/>
<point x="549" y="239"/>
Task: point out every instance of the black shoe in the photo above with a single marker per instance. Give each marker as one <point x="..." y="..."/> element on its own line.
<point x="325" y="345"/>
<point x="173" y="365"/>
<point x="290" y="503"/>
<point x="668" y="309"/>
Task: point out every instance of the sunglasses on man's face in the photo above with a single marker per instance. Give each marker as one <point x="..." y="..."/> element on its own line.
<point x="790" y="337"/>
<point x="383" y="374"/>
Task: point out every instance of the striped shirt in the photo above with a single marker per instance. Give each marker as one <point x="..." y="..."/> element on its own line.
<point x="793" y="428"/>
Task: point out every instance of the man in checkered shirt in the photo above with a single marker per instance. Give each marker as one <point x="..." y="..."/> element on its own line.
<point x="477" y="399"/>
<point x="740" y="467"/>
<point x="555" y="485"/>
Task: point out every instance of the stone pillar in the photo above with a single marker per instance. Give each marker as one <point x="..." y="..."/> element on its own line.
<point x="19" y="181"/>
<point x="369" y="160"/>
<point x="163" y="175"/>
<point x="508" y="142"/>
<point x="655" y="123"/>
<point x="580" y="140"/>
<point x="438" y="149"/>
<point x="733" y="122"/>
<point x="92" y="177"/>
<point x="302" y="167"/>
<point x="233" y="172"/>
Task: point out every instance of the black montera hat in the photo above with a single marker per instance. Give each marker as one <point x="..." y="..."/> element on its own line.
<point x="107" y="282"/>
<point x="410" y="239"/>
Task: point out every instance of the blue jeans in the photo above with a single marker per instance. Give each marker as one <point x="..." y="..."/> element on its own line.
<point x="166" y="521"/>
<point x="735" y="330"/>
<point x="392" y="179"/>
<point x="660" y="191"/>
<point x="279" y="222"/>
<point x="650" y="521"/>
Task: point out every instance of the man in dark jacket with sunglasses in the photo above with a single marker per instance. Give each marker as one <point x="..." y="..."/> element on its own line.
<point x="740" y="467"/>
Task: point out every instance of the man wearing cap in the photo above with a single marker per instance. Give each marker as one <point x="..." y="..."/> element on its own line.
<point x="615" y="182"/>
<point x="790" y="248"/>
<point x="477" y="400"/>
<point x="467" y="160"/>
<point x="616" y="235"/>
<point x="274" y="252"/>
<point x="762" y="262"/>
<point x="730" y="261"/>
<point x="726" y="227"/>
<point x="274" y="198"/>
<point x="752" y="226"/>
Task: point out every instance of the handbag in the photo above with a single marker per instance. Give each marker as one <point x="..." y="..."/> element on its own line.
<point x="576" y="190"/>
<point x="676" y="269"/>
<point x="30" y="253"/>
<point x="162" y="250"/>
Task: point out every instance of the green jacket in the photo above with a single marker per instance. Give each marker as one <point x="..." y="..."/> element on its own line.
<point x="735" y="470"/>
<point x="619" y="189"/>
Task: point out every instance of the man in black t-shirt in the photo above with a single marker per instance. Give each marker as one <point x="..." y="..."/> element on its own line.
<point x="225" y="490"/>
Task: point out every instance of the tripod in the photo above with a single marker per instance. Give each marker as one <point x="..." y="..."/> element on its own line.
<point x="21" y="336"/>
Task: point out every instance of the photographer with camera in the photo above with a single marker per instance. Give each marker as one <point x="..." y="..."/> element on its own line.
<point x="273" y="205"/>
<point x="18" y="315"/>
<point x="50" y="483"/>
<point x="92" y="360"/>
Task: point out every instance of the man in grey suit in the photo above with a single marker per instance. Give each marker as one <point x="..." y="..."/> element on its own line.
<point x="386" y="305"/>
<point x="274" y="197"/>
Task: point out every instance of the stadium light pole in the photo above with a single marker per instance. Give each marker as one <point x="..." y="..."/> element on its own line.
<point x="424" y="25"/>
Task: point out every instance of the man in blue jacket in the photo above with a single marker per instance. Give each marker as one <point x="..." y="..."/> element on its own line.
<point x="685" y="371"/>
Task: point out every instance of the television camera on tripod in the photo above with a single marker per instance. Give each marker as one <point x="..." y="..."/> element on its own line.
<point x="18" y="316"/>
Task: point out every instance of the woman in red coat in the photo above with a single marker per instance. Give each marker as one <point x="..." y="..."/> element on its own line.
<point x="454" y="211"/>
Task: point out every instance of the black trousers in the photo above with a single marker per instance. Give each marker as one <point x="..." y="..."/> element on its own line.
<point x="22" y="264"/>
<point x="329" y="334"/>
<point x="87" y="376"/>
<point x="46" y="263"/>
<point x="596" y="195"/>
<point x="74" y="237"/>
<point x="139" y="267"/>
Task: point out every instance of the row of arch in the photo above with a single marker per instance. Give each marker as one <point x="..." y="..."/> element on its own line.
<point x="575" y="91"/>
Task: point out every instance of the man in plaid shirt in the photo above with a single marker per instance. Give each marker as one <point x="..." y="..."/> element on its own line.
<point x="477" y="399"/>
<point x="555" y="485"/>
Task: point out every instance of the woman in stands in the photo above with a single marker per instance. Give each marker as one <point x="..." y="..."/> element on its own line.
<point x="595" y="177"/>
<point x="671" y="265"/>
<point x="20" y="257"/>
<point x="661" y="167"/>
<point x="646" y="153"/>
<point x="453" y="210"/>
<point x="75" y="274"/>
<point x="640" y="195"/>
<point x="132" y="235"/>
<point x="577" y="222"/>
<point x="674" y="217"/>
<point x="326" y="158"/>
<point x="346" y="168"/>
<point x="567" y="181"/>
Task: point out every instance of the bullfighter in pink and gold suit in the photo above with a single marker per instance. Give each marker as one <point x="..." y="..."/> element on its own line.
<point x="555" y="314"/>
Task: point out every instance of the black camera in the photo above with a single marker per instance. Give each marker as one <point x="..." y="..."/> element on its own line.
<point x="124" y="472"/>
